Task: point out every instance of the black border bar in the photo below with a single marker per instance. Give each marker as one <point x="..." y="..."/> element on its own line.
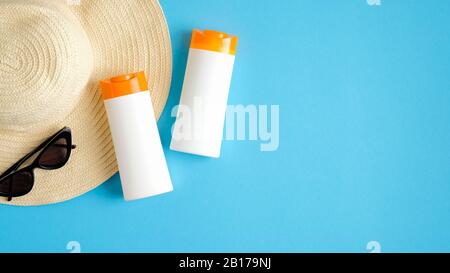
<point x="229" y="262"/>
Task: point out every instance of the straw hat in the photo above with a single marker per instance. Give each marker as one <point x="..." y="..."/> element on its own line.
<point x="52" y="55"/>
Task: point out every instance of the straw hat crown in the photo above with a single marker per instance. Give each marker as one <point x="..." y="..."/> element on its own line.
<point x="45" y="63"/>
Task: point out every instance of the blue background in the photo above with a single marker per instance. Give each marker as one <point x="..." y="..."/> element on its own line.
<point x="364" y="95"/>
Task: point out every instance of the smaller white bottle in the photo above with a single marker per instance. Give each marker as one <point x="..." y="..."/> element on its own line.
<point x="140" y="156"/>
<point x="201" y="113"/>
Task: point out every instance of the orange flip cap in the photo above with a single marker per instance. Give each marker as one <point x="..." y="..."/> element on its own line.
<point x="214" y="41"/>
<point x="124" y="85"/>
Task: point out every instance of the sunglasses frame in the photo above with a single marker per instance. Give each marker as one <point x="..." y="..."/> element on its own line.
<point x="64" y="133"/>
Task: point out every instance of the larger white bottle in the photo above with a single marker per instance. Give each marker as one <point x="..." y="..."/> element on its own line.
<point x="142" y="165"/>
<point x="201" y="113"/>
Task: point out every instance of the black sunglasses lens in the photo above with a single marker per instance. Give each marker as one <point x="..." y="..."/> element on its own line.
<point x="5" y="186"/>
<point x="17" y="184"/>
<point x="55" y="155"/>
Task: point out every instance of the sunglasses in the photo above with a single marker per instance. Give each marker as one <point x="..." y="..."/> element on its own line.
<point x="53" y="154"/>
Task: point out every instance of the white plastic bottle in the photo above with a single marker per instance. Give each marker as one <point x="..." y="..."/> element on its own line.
<point x="201" y="113"/>
<point x="140" y="156"/>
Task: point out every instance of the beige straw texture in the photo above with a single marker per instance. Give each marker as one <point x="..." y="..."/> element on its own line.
<point x="52" y="56"/>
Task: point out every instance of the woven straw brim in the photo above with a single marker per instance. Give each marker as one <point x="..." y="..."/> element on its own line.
<point x="125" y="36"/>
